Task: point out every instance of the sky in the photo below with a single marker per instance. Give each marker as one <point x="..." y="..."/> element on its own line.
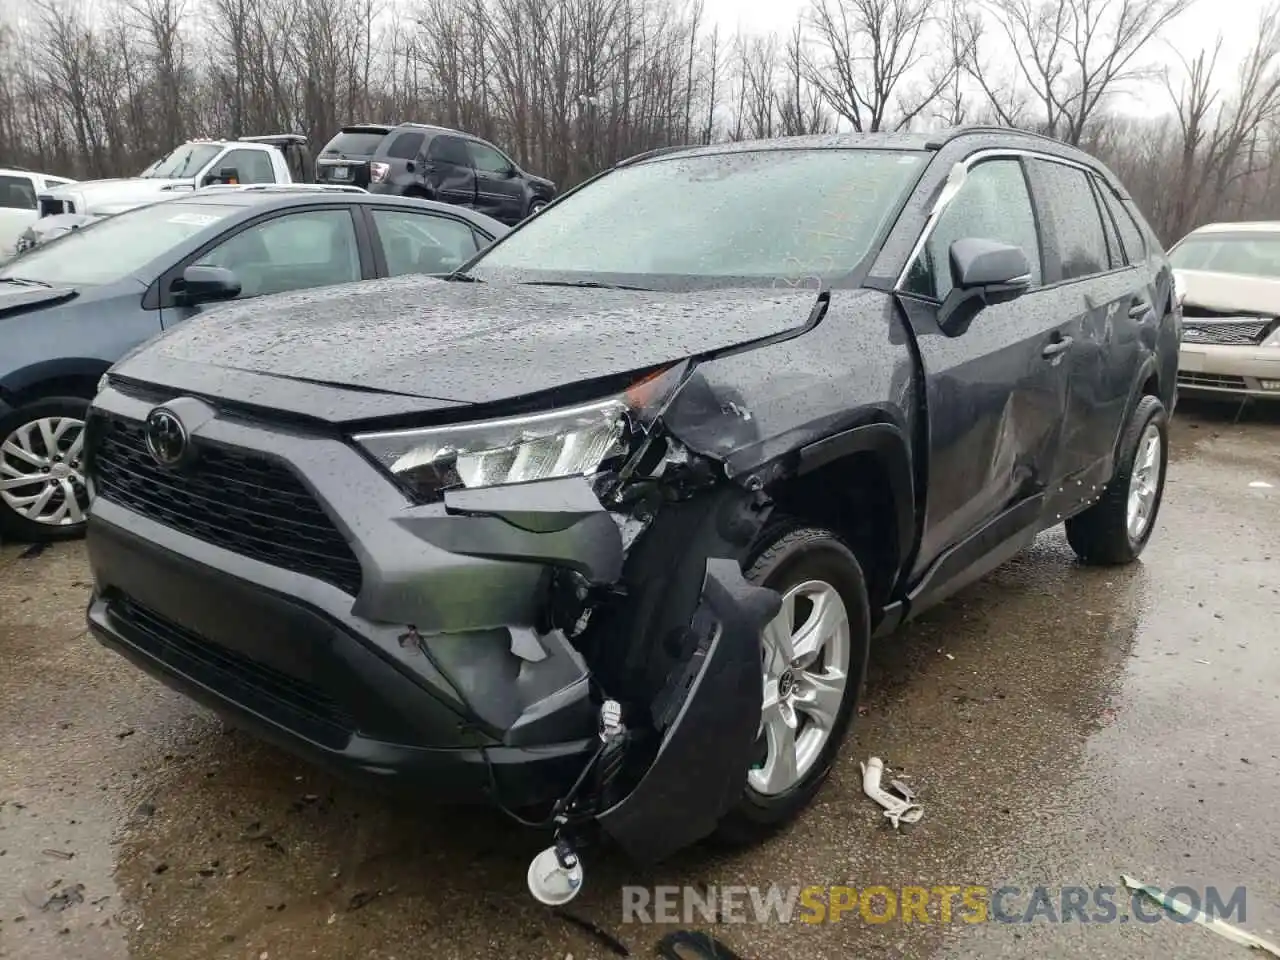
<point x="1195" y="29"/>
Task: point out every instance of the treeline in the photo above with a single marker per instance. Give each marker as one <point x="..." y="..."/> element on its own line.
<point x="569" y="86"/>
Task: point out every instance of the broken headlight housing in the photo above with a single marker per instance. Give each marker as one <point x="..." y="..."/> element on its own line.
<point x="564" y="442"/>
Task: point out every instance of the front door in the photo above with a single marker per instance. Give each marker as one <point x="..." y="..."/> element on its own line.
<point x="994" y="393"/>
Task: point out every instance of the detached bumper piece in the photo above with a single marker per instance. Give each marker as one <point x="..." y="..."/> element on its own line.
<point x="708" y="717"/>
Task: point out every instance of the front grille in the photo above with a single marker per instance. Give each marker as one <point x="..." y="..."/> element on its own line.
<point x="1237" y="332"/>
<point x="232" y="498"/>
<point x="293" y="703"/>
<point x="1211" y="380"/>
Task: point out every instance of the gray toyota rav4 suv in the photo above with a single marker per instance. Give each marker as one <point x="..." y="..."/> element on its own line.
<point x="600" y="528"/>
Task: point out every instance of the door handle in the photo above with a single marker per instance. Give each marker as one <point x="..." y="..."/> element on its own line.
<point x="1139" y="310"/>
<point x="1056" y="347"/>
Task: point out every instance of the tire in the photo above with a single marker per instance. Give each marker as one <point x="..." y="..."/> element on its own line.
<point x="788" y="556"/>
<point x="1106" y="533"/>
<point x="21" y="439"/>
<point x="535" y="206"/>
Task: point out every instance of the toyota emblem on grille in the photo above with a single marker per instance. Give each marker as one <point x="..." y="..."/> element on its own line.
<point x="166" y="437"/>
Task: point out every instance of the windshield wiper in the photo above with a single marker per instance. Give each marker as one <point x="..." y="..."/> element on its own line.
<point x="589" y="284"/>
<point x="23" y="281"/>
<point x="463" y="278"/>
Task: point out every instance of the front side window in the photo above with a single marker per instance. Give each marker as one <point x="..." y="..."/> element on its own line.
<point x="422" y="243"/>
<point x="1076" y="222"/>
<point x="1247" y="253"/>
<point x="487" y="160"/>
<point x="297" y="251"/>
<point x="993" y="203"/>
<point x="188" y="160"/>
<point x="251" y="166"/>
<point x="16" y="193"/>
<point x="116" y="247"/>
<point x="754" y="216"/>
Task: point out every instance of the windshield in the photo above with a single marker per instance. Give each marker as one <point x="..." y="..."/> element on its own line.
<point x="188" y="160"/>
<point x="1247" y="253"/>
<point x="752" y="216"/>
<point x="114" y="247"/>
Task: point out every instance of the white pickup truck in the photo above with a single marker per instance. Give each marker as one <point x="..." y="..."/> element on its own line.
<point x="19" y="206"/>
<point x="279" y="158"/>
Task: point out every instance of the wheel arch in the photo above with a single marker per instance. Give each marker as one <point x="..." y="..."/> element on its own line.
<point x="66" y="376"/>
<point x="858" y="483"/>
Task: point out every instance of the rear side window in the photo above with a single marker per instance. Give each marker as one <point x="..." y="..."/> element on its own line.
<point x="356" y="143"/>
<point x="449" y="150"/>
<point x="1075" y="225"/>
<point x="992" y="204"/>
<point x="1130" y="235"/>
<point x="406" y="146"/>
<point x="1114" y="250"/>
<point x="16" y="193"/>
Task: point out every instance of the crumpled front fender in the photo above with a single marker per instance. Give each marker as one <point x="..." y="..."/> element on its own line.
<point x="709" y="716"/>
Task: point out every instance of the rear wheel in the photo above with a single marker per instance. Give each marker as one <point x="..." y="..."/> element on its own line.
<point x="42" y="490"/>
<point x="1116" y="529"/>
<point x="813" y="663"/>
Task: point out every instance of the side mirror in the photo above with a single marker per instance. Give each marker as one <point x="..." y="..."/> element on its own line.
<point x="207" y="285"/>
<point x="983" y="272"/>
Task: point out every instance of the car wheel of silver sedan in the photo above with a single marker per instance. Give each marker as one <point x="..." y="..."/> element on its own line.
<point x="42" y="488"/>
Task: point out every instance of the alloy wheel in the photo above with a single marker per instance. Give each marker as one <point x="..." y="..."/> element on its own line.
<point x="41" y="477"/>
<point x="806" y="671"/>
<point x="1144" y="482"/>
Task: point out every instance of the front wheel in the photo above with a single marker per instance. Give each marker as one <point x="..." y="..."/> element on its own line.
<point x="813" y="665"/>
<point x="536" y="207"/>
<point x="42" y="489"/>
<point x="1116" y="529"/>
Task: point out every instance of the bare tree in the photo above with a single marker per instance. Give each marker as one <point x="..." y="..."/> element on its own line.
<point x="1072" y="54"/>
<point x="865" y="50"/>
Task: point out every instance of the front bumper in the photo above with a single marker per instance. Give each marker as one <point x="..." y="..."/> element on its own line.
<point x="436" y="666"/>
<point x="1209" y="369"/>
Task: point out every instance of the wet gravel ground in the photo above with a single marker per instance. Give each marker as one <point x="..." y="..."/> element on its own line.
<point x="1062" y="726"/>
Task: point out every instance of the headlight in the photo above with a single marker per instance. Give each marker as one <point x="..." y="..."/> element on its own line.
<point x="570" y="441"/>
<point x="103" y="381"/>
<point x="1274" y="339"/>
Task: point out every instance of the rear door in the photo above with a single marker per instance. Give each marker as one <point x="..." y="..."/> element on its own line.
<point x="448" y="174"/>
<point x="416" y="241"/>
<point x="995" y="392"/>
<point x="499" y="187"/>
<point x="1109" y="306"/>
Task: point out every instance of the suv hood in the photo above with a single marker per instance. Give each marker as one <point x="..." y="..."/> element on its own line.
<point x="449" y="342"/>
<point x="1230" y="292"/>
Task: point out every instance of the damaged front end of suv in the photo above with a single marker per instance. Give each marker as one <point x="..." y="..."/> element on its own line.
<point x="639" y="543"/>
<point x="565" y="588"/>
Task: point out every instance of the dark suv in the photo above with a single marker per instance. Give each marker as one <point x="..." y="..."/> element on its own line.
<point x="415" y="160"/>
<point x="608" y="519"/>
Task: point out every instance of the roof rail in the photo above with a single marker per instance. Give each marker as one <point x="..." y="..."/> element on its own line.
<point x="954" y="133"/>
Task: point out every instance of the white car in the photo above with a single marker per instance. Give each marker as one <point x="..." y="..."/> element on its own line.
<point x="1228" y="276"/>
<point x="193" y="165"/>
<point x="19" y="204"/>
